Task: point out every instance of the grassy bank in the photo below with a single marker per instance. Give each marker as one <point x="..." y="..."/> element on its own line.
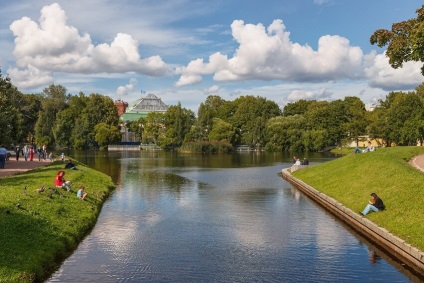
<point x="39" y="229"/>
<point x="351" y="179"/>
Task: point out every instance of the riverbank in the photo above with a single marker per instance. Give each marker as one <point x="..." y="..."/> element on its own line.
<point x="343" y="186"/>
<point x="39" y="229"/>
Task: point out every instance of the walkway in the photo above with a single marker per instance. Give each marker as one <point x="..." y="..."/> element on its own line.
<point x="418" y="162"/>
<point x="13" y="167"/>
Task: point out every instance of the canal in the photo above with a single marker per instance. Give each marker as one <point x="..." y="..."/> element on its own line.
<point x="217" y="218"/>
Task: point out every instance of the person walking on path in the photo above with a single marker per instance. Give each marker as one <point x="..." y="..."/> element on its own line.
<point x="31" y="153"/>
<point x="44" y="151"/>
<point x="18" y="151"/>
<point x="26" y="152"/>
<point x="3" y="153"/>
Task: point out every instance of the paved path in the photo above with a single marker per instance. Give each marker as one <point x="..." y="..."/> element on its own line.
<point x="14" y="167"/>
<point x="418" y="162"/>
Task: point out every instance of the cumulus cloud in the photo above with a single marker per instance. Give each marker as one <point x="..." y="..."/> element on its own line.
<point x="381" y="75"/>
<point x="322" y="94"/>
<point x="268" y="54"/>
<point x="211" y="90"/>
<point x="52" y="45"/>
<point x="30" y="77"/>
<point x="127" y="89"/>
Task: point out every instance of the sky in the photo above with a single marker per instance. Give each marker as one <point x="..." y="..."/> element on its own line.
<point x="183" y="51"/>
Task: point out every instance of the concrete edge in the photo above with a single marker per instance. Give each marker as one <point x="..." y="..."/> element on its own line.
<point x="408" y="254"/>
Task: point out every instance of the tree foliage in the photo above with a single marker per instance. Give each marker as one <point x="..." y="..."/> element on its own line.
<point x="106" y="134"/>
<point x="10" y="118"/>
<point x="405" y="40"/>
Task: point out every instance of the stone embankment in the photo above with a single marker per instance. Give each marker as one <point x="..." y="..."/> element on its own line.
<point x="396" y="246"/>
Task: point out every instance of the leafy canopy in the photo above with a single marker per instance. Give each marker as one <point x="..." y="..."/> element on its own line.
<point x="405" y="41"/>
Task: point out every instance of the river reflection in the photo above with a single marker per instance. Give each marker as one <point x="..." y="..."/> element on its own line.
<point x="221" y="218"/>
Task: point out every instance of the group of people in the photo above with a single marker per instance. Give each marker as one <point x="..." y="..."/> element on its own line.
<point x="297" y="161"/>
<point x="60" y="181"/>
<point x="28" y="151"/>
<point x="369" y="148"/>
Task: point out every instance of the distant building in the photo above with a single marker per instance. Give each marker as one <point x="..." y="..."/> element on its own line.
<point x="143" y="106"/>
<point x="136" y="110"/>
<point x="121" y="106"/>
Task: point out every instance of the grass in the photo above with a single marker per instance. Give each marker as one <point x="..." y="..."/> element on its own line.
<point x="38" y="230"/>
<point x="352" y="178"/>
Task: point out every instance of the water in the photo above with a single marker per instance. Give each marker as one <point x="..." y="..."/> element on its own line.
<point x="221" y="218"/>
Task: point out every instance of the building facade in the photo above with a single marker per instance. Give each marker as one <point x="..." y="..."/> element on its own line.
<point x="136" y="110"/>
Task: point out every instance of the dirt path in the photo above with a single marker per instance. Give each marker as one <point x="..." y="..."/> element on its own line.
<point x="14" y="167"/>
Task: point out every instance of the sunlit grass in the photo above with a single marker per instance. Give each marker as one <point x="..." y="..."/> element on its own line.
<point x="38" y="229"/>
<point x="351" y="179"/>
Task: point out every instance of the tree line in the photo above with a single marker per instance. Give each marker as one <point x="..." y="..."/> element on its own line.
<point x="54" y="117"/>
<point x="81" y="121"/>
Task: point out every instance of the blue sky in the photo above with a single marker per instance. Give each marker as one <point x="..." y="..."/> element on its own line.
<point x="183" y="51"/>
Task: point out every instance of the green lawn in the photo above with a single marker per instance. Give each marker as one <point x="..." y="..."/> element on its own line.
<point x="351" y="178"/>
<point x="37" y="230"/>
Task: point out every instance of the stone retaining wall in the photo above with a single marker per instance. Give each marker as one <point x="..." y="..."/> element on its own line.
<point x="408" y="254"/>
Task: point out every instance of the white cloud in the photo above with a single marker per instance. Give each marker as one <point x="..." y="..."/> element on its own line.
<point x="268" y="54"/>
<point x="322" y="94"/>
<point x="30" y="77"/>
<point x="127" y="89"/>
<point x="54" y="46"/>
<point x="380" y="74"/>
<point x="211" y="90"/>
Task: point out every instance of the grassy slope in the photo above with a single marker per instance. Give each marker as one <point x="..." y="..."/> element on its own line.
<point x="43" y="229"/>
<point x="352" y="178"/>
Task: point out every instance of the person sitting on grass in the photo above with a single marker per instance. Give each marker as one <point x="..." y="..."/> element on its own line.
<point x="81" y="194"/>
<point x="70" y="165"/>
<point x="60" y="181"/>
<point x="375" y="204"/>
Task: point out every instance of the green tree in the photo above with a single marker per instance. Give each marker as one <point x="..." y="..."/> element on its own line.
<point x="405" y="40"/>
<point x="137" y="127"/>
<point x="250" y="116"/>
<point x="10" y="118"/>
<point x="53" y="100"/>
<point x="66" y="120"/>
<point x="98" y="109"/>
<point x="357" y="118"/>
<point x="222" y="131"/>
<point x="213" y="107"/>
<point x="106" y="134"/>
<point x="299" y="107"/>
<point x="285" y="133"/>
<point x="154" y="129"/>
<point x="29" y="107"/>
<point x="404" y="118"/>
<point x="177" y="123"/>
